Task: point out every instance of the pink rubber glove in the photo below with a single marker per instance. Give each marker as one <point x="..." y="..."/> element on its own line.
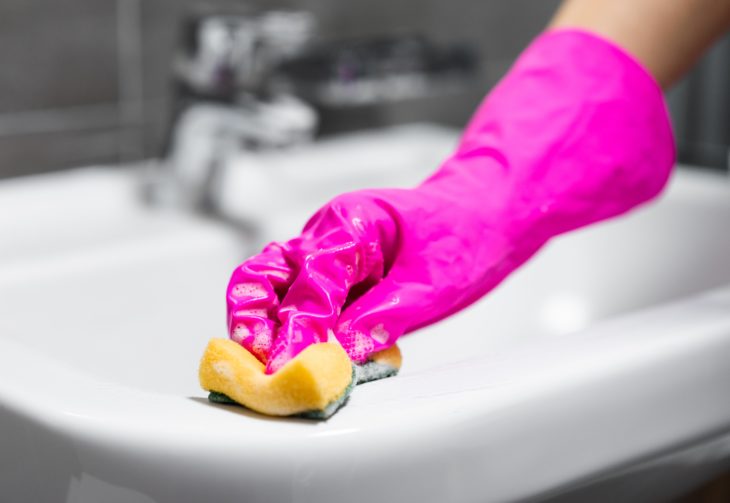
<point x="575" y="133"/>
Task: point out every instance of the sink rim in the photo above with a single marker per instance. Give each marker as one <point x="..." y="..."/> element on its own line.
<point x="108" y="416"/>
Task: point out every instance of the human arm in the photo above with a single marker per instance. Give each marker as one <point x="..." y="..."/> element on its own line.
<point x="667" y="36"/>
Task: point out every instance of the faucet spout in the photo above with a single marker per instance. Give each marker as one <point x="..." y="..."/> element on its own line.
<point x="227" y="100"/>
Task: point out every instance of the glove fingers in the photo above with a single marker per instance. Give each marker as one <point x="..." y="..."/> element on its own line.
<point x="253" y="296"/>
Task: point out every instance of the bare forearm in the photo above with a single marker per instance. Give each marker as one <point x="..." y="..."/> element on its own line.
<point x="667" y="36"/>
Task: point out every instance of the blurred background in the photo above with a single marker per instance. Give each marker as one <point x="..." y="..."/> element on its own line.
<point x="86" y="81"/>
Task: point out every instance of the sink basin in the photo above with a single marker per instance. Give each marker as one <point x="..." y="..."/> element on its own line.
<point x="599" y="370"/>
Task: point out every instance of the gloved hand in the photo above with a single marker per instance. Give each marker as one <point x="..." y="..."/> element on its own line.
<point x="575" y="133"/>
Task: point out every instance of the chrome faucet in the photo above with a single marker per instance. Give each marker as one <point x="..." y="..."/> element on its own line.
<point x="225" y="97"/>
<point x="255" y="80"/>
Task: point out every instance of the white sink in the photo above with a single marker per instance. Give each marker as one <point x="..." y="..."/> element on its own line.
<point x="600" y="370"/>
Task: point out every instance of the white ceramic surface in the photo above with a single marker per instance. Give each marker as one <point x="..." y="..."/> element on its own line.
<point x="605" y="359"/>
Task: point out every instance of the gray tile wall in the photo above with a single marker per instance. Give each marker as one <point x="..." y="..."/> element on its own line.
<point x="700" y="106"/>
<point x="87" y="81"/>
<point x="58" y="83"/>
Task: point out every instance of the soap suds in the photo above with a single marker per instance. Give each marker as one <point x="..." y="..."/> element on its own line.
<point x="380" y="334"/>
<point x="255" y="290"/>
<point x="223" y="369"/>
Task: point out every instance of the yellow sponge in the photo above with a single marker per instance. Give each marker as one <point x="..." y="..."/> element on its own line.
<point x="391" y="357"/>
<point x="318" y="377"/>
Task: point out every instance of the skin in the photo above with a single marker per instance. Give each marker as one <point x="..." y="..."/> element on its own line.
<point x="667" y="36"/>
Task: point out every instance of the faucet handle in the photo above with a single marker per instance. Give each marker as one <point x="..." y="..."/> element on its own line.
<point x="224" y="54"/>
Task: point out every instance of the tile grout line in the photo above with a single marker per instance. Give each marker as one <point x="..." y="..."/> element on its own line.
<point x="52" y="120"/>
<point x="130" y="79"/>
